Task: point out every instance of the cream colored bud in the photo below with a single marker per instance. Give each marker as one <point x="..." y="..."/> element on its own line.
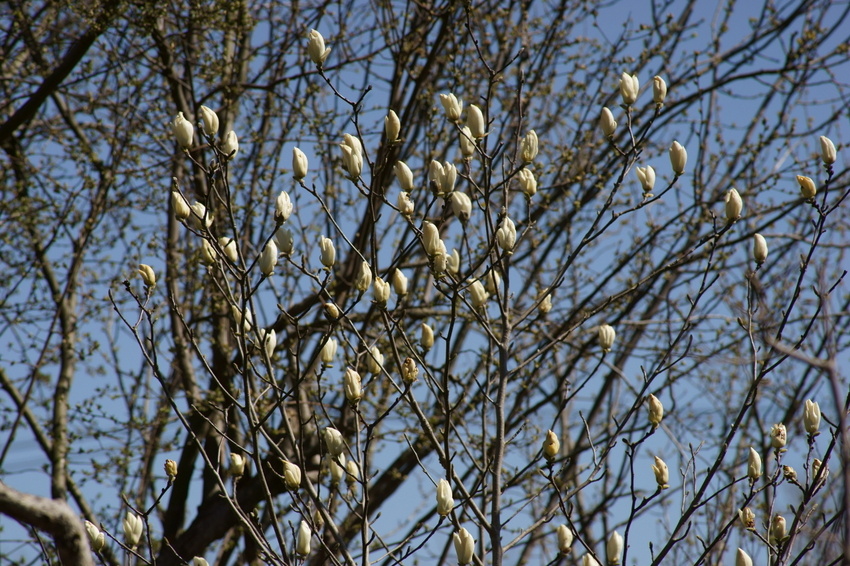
<point x="327" y="252"/>
<point x="300" y="166"/>
<point x="381" y="292"/>
<point x="170" y="470"/>
<point x="431" y="238"/>
<point x="228" y="246"/>
<point x="461" y="205"/>
<point x="440" y="261"/>
<point x="435" y="177"/>
<point x="316" y="48"/>
<point x="529" y="147"/>
<point x="662" y="474"/>
<point x="210" y="119"/>
<point x="352" y="161"/>
<point x="492" y="282"/>
<point x="448" y="177"/>
<point x="659" y="90"/>
<point x="789" y="473"/>
<point x="453" y="106"/>
<point x="467" y="143"/>
<point x="237" y="465"/>
<point x="475" y="122"/>
<point x="506" y="235"/>
<point x="404" y="176"/>
<point x="147" y="274"/>
<point x="527" y="182"/>
<point x="827" y="150"/>
<point x="302" y="543"/>
<point x="329" y="350"/>
<point x="807" y="187"/>
<point x="399" y="282"/>
<point x="285" y="241"/>
<point x="291" y="475"/>
<point x="646" y="176"/>
<point x="198" y="561"/>
<point x="565" y="539"/>
<point x="629" y="88"/>
<point x="374" y="360"/>
<point x="230" y="145"/>
<point x="614" y="548"/>
<point x="351" y="385"/>
<point x="96" y="538"/>
<point x="392" y="126"/>
<point x="464" y="546"/>
<point x="352" y="473"/>
<point x="200" y="217"/>
<point x="605" y="335"/>
<point x="607" y="123"/>
<point x="334" y="441"/>
<point x="269" y="340"/>
<point x="816" y="466"/>
<point x="811" y="416"/>
<point x="208" y="255"/>
<point x="336" y="466"/>
<point x="409" y="371"/>
<point x="777" y="529"/>
<point x="364" y="277"/>
<point x="243" y="322"/>
<point x="180" y="206"/>
<point x="743" y="559"/>
<point x="656" y="411"/>
<point x="545" y="305"/>
<point x="753" y="465"/>
<point x="405" y="204"/>
<point x="477" y="294"/>
<point x="589" y="560"/>
<point x="678" y="158"/>
<point x="426" y="337"/>
<point x="734" y="205"/>
<point x="453" y="261"/>
<point x="551" y="446"/>
<point x="445" y="502"/>
<point x="184" y="131"/>
<point x="318" y="519"/>
<point x="133" y="528"/>
<point x="778" y="436"/>
<point x="268" y="259"/>
<point x="331" y="311"/>
<point x="759" y="249"/>
<point x="747" y="518"/>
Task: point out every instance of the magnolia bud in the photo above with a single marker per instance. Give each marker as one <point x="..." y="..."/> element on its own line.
<point x="381" y="291"/>
<point x="302" y="544"/>
<point x="656" y="411"/>
<point x="237" y="465"/>
<point x="431" y="238"/>
<point x="589" y="560"/>
<point x="336" y="466"/>
<point x="827" y="150"/>
<point x="445" y="502"/>
<point x="527" y="182"/>
<point x="629" y="87"/>
<point x="352" y="161"/>
<point x="351" y="384"/>
<point x="659" y="90"/>
<point x="492" y="282"/>
<point x="461" y="205"/>
<point x="646" y="176"/>
<point x="678" y="158"/>
<point x="811" y="416"/>
<point x="285" y="240"/>
<point x="734" y="205"/>
<point x="133" y="527"/>
<point x="184" y="132"/>
<point x="318" y="519"/>
<point x="551" y="446"/>
<point x="778" y="436"/>
<point x="453" y="261"/>
<point x="352" y="473"/>
<point x="327" y="252"/>
<point x="399" y="282"/>
<point x="545" y="305"/>
<point x="198" y="561"/>
<point x="269" y="341"/>
<point x="426" y="337"/>
<point x="816" y="466"/>
<point x="228" y="246"/>
<point x="268" y="259"/>
<point x="404" y="176"/>
<point x="464" y="546"/>
<point x="200" y="217"/>
<point x="374" y="360"/>
<point x="96" y="537"/>
<point x="475" y="122"/>
<point x="147" y="274"/>
<point x="448" y="177"/>
<point x="807" y="187"/>
<point x="299" y="163"/>
<point x="747" y="517"/>
<point x="607" y="123"/>
<point x="777" y="529"/>
<point x="331" y="311"/>
<point x="528" y="147"/>
<point x="662" y="474"/>
<point x="565" y="539"/>
<point x="405" y="204"/>
<point x="477" y="294"/>
<point x="435" y="176"/>
<point x="170" y="470"/>
<point x="282" y="207"/>
<point x="329" y="351"/>
<point x="230" y="145"/>
<point x="743" y="559"/>
<point x="440" y="261"/>
<point x="453" y="106"/>
<point x="243" y="322"/>
<point x="180" y="206"/>
<point x="753" y="465"/>
<point x="316" y="48"/>
<point x="210" y="119"/>
<point x="392" y="126"/>
<point x="334" y="441"/>
<point x="409" y="371"/>
<point x="606" y="334"/>
<point x="364" y="277"/>
<point x="614" y="548"/>
<point x="789" y="473"/>
<point x="759" y="249"/>
<point x="506" y="235"/>
<point x="467" y="143"/>
<point x="291" y="475"/>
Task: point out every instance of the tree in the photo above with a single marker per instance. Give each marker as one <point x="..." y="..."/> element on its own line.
<point x="215" y="382"/>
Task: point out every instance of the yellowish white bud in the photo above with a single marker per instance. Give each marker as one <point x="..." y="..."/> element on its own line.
<point x="300" y="165"/>
<point x="431" y="238"/>
<point x="656" y="411"/>
<point x="210" y="119"/>
<point x="96" y="537"/>
<point x="453" y="106"/>
<point x="183" y="131"/>
<point x="662" y="474"/>
<point x="607" y="123"/>
<point x="364" y="277"/>
<point x="334" y="441"/>
<point x="180" y="206"/>
<point x="329" y="350"/>
<point x="467" y="143"/>
<point x="475" y="122"/>
<point x="316" y="48"/>
<point x="170" y="469"/>
<point x="200" y="217"/>
<point x="464" y="546"/>
<point x="629" y="88"/>
<point x="477" y="294"/>
<point x="527" y="182"/>
<point x="404" y="176"/>
<point x="811" y="416"/>
<point x="445" y="501"/>
<point x="747" y="518"/>
<point x="753" y="465"/>
<point x="646" y="176"/>
<point x="237" y="465"/>
<point x="565" y="539"/>
<point x="399" y="282"/>
<point x="614" y="548"/>
<point x="230" y="145"/>
<point x="551" y="446"/>
<point x="743" y="559"/>
<point x="453" y="261"/>
<point x="777" y="529"/>
<point x="392" y="126"/>
<point x="327" y="252"/>
<point x="678" y="158"/>
<point x="759" y="249"/>
<point x="409" y="371"/>
<point x="351" y="384"/>
<point x="147" y="274"/>
<point x="827" y="150"/>
<point x="734" y="205"/>
<point x="529" y="147"/>
<point x="291" y="475"/>
<point x="506" y="235"/>
<point x="374" y="360"/>
<point x="133" y="528"/>
<point x="302" y="543"/>
<point x="285" y="241"/>
<point x="461" y="205"/>
<point x="381" y="292"/>
<point x="405" y="204"/>
<point x="807" y="187"/>
<point x="268" y="258"/>
<point x="426" y="337"/>
<point x="605" y="335"/>
<point x="659" y="90"/>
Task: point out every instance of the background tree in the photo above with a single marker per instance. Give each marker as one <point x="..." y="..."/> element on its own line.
<point x="183" y="407"/>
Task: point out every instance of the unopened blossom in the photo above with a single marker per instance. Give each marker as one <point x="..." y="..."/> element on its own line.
<point x="405" y="204"/>
<point x="352" y="473"/>
<point x="565" y="539"/>
<point x="527" y="182"/>
<point x="778" y="529"/>
<point x="399" y="282"/>
<point x="807" y="187"/>
<point x="237" y="465"/>
<point x="659" y="90"/>
<point x="331" y="311"/>
<point x="506" y="235"/>
<point x="529" y="147"/>
<point x="816" y="466"/>
<point x="228" y="246"/>
<point x="662" y="474"/>
<point x="607" y="123"/>
<point x="282" y="207"/>
<point x="811" y="416"/>
<point x="435" y="177"/>
<point x="589" y="560"/>
<point x="467" y="143"/>
<point x="734" y="205"/>
<point x="614" y="548"/>
<point x="318" y="519"/>
<point x="200" y="217"/>
<point x="291" y="475"/>
<point x="492" y="282"/>
<point x="477" y="294"/>
<point x="208" y="255"/>
<point x="646" y="176"/>
<point x="430" y="238"/>
<point x="464" y="546"/>
<point x="363" y="280"/>
<point x="170" y="469"/>
<point x="328" y="352"/>
<point x="352" y="161"/>
<point x="302" y="543"/>
<point x="747" y="518"/>
<point x="475" y="121"/>
<point x="245" y="320"/>
<point x="759" y="249"/>
<point x="316" y="48"/>
<point x="299" y="163"/>
<point x="778" y="435"/>
<point x="426" y="336"/>
<point x="545" y="305"/>
<point x="96" y="538"/>
<point x="148" y="275"/>
<point x="753" y="465"/>
<point x="629" y="88"/>
<point x="285" y="240"/>
<point x="452" y="105"/>
<point x="743" y="559"/>
<point x="198" y="561"/>
<point x="183" y="131"/>
<point x="180" y="206"/>
<point x="678" y="158"/>
<point x="789" y="473"/>
<point x="381" y="292"/>
<point x="392" y="126"/>
<point x="827" y="150"/>
<point x="448" y="178"/>
<point x="461" y="205"/>
<point x="656" y="411"/>
<point x="374" y="360"/>
<point x="210" y="119"/>
<point x="133" y="528"/>
<point x="269" y="341"/>
<point x="327" y="252"/>
<point x="551" y="446"/>
<point x="230" y="145"/>
<point x="333" y="440"/>
<point x="440" y="261"/>
<point x="453" y="261"/>
<point x="445" y="502"/>
<point x="605" y="335"/>
<point x="268" y="258"/>
<point x="351" y="384"/>
<point x="409" y="371"/>
<point x="404" y="176"/>
<point x="336" y="466"/>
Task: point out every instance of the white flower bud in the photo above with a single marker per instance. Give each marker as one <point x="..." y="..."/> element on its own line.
<point x="678" y="158"/>
<point x="316" y="48"/>
<point x="354" y="143"/>
<point x="237" y="465"/>
<point x="743" y="559"/>
<point x="327" y="252"/>
<point x="452" y="105"/>
<point x="506" y="235"/>
<point x="147" y="274"/>
<point x="461" y="205"/>
<point x="659" y="90"/>
<point x="527" y="182"/>
<point x="734" y="205"/>
<point x="448" y="177"/>
<point x="268" y="259"/>
<point x="352" y="161"/>
<point x="230" y="145"/>
<point x="656" y="411"/>
<point x="392" y="126"/>
<point x="753" y="465"/>
<point x="646" y="176"/>
<point x="96" y="537"/>
<point x="302" y="543"/>
<point x="431" y="238"/>
<point x="464" y="546"/>
<point x="759" y="249"/>
<point x="336" y="466"/>
<point x="827" y="150"/>
<point x="811" y="416"/>
<point x="399" y="282"/>
<point x="331" y="311"/>
<point x="545" y="305"/>
<point x="404" y="176"/>
<point x="777" y="529"/>
<point x="228" y="246"/>
<point x="269" y="340"/>
<point x="492" y="282"/>
<point x="180" y="206"/>
<point x="364" y="277"/>
<point x="614" y="548"/>
<point x="589" y="560"/>
<point x="210" y="119"/>
<point x="662" y="474"/>
<point x="440" y="260"/>
<point x="285" y="240"/>
<point x="629" y="88"/>
<point x="807" y="187"/>
<point x="352" y="473"/>
<point x="243" y="321"/>
<point x="405" y="204"/>
<point x="607" y="123"/>
<point x="291" y="475"/>
<point x="426" y="337"/>
<point x="200" y="217"/>
<point x="299" y="163"/>
<point x="529" y="147"/>
<point x="747" y="518"/>
<point x="477" y="294"/>
<point x="435" y="176"/>
<point x="453" y="261"/>
<point x="445" y="502"/>
<point x="409" y="370"/>
<point x="374" y="360"/>
<point x="467" y="143"/>
<point x="606" y="335"/>
<point x="381" y="291"/>
<point x="778" y="435"/>
<point x="334" y="441"/>
<point x="133" y="527"/>
<point x="198" y="561"/>
<point x="816" y="466"/>
<point x="475" y="122"/>
<point x="329" y="351"/>
<point x="282" y="207"/>
<point x="565" y="539"/>
<point x="351" y="385"/>
<point x="184" y="131"/>
<point x="551" y="446"/>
